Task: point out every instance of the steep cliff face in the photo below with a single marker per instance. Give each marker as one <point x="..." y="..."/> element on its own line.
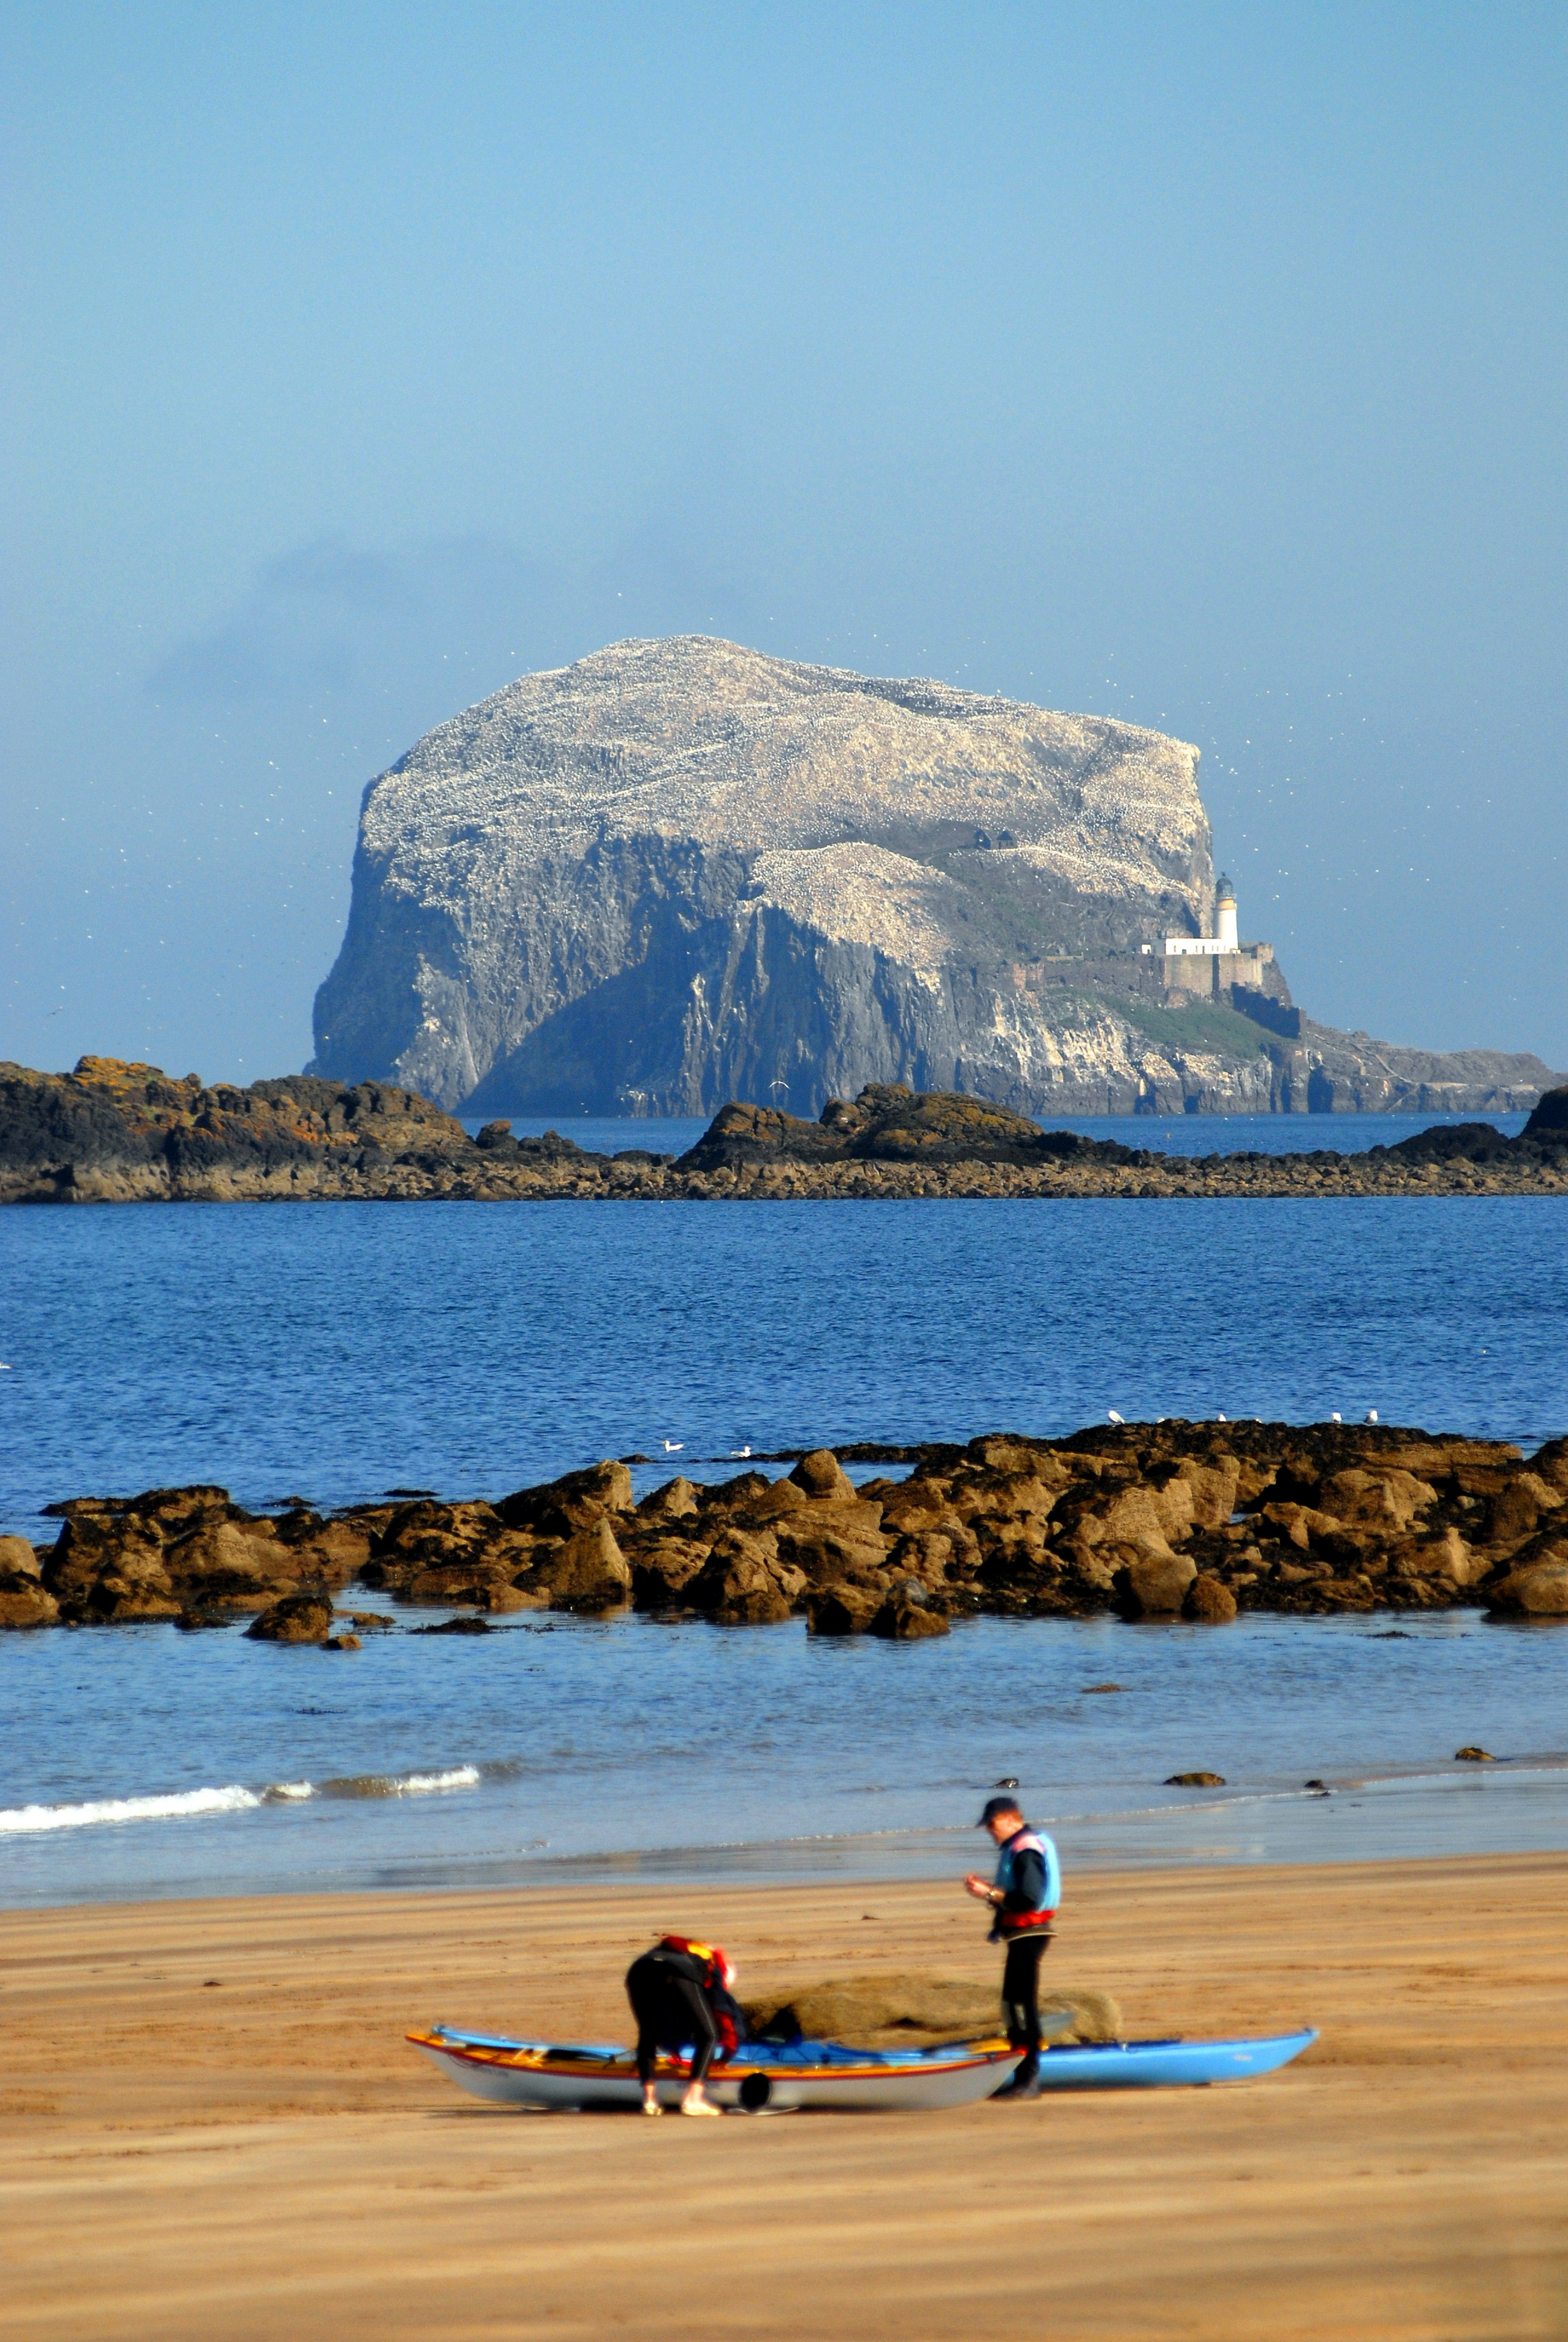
<point x="678" y="873"/>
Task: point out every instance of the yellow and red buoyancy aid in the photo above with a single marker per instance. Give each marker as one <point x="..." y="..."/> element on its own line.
<point x="717" y="1987"/>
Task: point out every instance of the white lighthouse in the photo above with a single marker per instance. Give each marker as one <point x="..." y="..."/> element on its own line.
<point x="1216" y="963"/>
<point x="1218" y="946"/>
<point x="1226" y="916"/>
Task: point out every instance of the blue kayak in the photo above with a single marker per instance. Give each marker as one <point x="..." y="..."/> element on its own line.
<point x="1159" y="2065"/>
<point x="783" y="2076"/>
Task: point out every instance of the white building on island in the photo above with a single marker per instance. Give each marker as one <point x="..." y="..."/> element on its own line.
<point x="1208" y="946"/>
<point x="1222" y="965"/>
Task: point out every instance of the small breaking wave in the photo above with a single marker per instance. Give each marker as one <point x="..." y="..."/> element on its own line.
<point x="182" y="1805"/>
<point x="17" y="1820"/>
<point x="402" y="1785"/>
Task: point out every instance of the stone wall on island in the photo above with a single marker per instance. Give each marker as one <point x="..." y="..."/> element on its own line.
<point x="111" y="1132"/>
<point x="1198" y="1521"/>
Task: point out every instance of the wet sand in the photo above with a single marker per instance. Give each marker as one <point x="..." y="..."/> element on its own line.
<point x="210" y="2126"/>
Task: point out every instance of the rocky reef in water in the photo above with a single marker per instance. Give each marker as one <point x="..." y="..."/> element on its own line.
<point x="1194" y="1520"/>
<point x="111" y="1132"/>
<point x="679" y="872"/>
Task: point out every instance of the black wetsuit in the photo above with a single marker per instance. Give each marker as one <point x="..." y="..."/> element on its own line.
<point x="1021" y="1976"/>
<point x="670" y="1998"/>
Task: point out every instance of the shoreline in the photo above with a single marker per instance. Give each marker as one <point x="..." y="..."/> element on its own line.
<point x="1187" y="1177"/>
<point x="210" y="2123"/>
<point x="1518" y="1806"/>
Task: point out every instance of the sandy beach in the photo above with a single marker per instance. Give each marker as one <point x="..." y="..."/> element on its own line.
<point x="209" y="2124"/>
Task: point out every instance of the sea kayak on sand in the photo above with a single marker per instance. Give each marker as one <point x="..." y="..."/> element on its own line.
<point x="826" y="2074"/>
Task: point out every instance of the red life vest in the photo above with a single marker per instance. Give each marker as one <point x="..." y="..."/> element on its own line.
<point x="718" y="1974"/>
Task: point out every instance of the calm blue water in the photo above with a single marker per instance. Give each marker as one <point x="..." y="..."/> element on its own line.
<point x="337" y="1350"/>
<point x="1208" y="1134"/>
<point x="694" y="1750"/>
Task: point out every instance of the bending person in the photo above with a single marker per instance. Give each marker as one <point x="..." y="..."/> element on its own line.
<point x="681" y="1995"/>
<point x="1024" y="1896"/>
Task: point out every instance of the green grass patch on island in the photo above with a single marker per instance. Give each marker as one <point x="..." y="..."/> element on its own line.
<point x="1208" y="1027"/>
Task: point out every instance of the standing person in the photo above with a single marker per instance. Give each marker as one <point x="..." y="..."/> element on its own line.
<point x="1024" y="1896"/>
<point x="681" y="1992"/>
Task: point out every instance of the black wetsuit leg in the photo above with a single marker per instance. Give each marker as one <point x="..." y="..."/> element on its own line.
<point x="670" y="2011"/>
<point x="1021" y="1990"/>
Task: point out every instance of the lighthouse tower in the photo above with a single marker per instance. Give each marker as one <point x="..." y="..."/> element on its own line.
<point x="1226" y="916"/>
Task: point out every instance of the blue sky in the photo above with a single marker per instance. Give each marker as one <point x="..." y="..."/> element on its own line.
<point x="1200" y="365"/>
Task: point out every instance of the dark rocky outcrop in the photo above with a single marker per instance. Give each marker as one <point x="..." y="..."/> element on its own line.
<point x="146" y="1138"/>
<point x="1155" y="1522"/>
<point x="1550" y="1116"/>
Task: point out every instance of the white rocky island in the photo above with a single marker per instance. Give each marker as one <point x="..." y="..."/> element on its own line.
<point x="679" y="873"/>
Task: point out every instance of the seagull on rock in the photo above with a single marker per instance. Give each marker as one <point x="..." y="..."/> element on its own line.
<point x="1336" y="1416"/>
<point x="1371" y="1415"/>
<point x="1114" y="1416"/>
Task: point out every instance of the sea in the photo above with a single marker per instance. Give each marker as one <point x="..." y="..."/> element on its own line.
<point x="339" y="1351"/>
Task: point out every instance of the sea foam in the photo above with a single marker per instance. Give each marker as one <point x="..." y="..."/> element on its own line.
<point x="18" y="1820"/>
<point x="179" y="1804"/>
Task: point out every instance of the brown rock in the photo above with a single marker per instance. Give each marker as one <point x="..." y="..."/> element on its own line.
<point x="820" y="1473"/>
<point x="906" y="1616"/>
<point x="576" y="1501"/>
<point x="1473" y="1755"/>
<point x="1194" y="1781"/>
<point x="675" y="1501"/>
<point x="340" y="1643"/>
<point x="831" y="1539"/>
<point x="18" y="1560"/>
<point x="1215" y="1487"/>
<point x="738" y="1587"/>
<point x="104" y="1568"/>
<point x="842" y="1609"/>
<point x="1550" y="1464"/>
<point x="913" y="1506"/>
<point x="326" y="1553"/>
<point x="298" y="1618"/>
<point x="1516" y="1511"/>
<point x="1155" y="1584"/>
<point x="1537" y="1589"/>
<point x="24" y="1601"/>
<point x="1376" y="1498"/>
<point x="766" y="1506"/>
<point x="1300" y="1523"/>
<point x="589" y="1572"/>
<point x="1446" y="1555"/>
<point x="663" y="1568"/>
<point x="220" y="1562"/>
<point x="1209" y="1599"/>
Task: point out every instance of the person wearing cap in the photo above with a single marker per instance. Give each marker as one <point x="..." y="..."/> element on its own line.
<point x="1022" y="1897"/>
<point x="681" y="1995"/>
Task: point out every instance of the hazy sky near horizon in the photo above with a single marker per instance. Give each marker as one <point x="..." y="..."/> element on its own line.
<point x="1200" y="365"/>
